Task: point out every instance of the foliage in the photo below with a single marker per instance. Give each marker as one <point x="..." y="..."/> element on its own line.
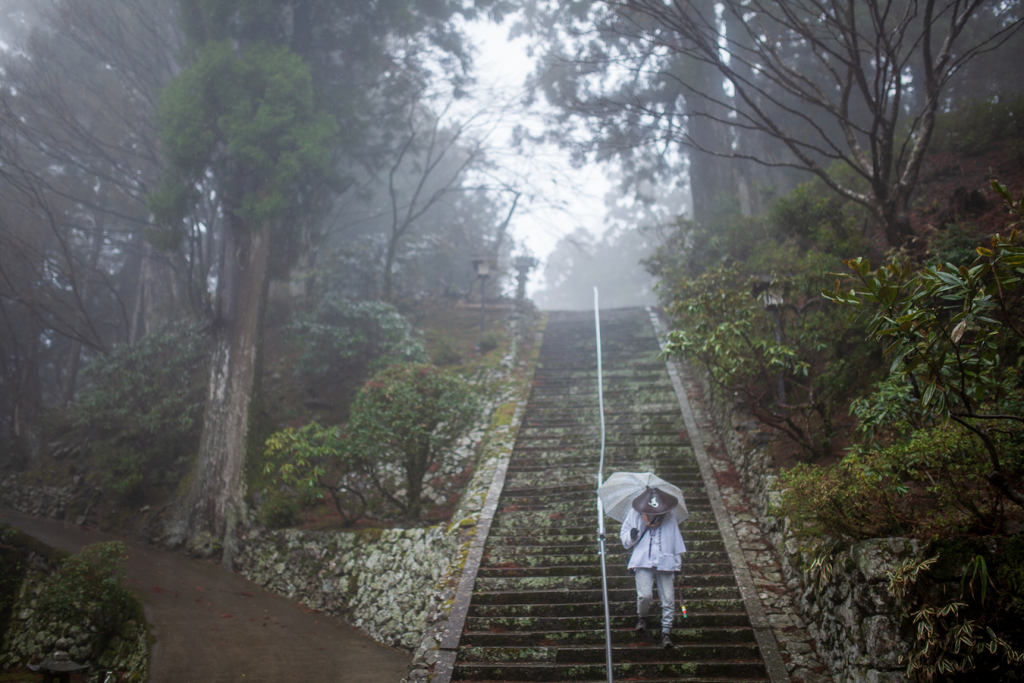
<point x="446" y="353"/>
<point x="954" y="335"/>
<point x="257" y="105"/>
<point x="973" y="126"/>
<point x="967" y="627"/>
<point x="403" y="421"/>
<point x="89" y="589"/>
<point x="313" y="458"/>
<point x="279" y="510"/>
<point x="787" y="357"/>
<point x="142" y="406"/>
<point x="11" y="570"/>
<point x="931" y="483"/>
<point x="342" y="340"/>
<point x="489" y="342"/>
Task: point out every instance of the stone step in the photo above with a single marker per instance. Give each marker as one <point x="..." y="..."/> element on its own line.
<point x="670" y="670"/>
<point x="577" y="596"/>
<point x="623" y="581"/>
<point x="561" y="536"/>
<point x="691" y="572"/>
<point x="697" y="625"/>
<point x="596" y="609"/>
<point x="640" y="650"/>
<point x="590" y="545"/>
<point x="694" y="631"/>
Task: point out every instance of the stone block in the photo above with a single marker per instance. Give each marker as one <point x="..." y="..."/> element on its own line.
<point x="883" y="641"/>
<point x="877" y="556"/>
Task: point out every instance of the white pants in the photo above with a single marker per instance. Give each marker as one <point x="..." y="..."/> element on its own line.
<point x="666" y="592"/>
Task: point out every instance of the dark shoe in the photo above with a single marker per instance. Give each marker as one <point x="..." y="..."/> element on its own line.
<point x="641" y="627"/>
<point x="666" y="640"/>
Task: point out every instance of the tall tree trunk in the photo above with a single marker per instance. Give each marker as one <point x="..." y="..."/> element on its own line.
<point x="213" y="505"/>
<point x="712" y="181"/>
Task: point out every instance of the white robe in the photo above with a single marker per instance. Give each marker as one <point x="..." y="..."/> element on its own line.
<point x="659" y="548"/>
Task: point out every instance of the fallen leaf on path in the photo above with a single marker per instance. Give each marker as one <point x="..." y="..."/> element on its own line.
<point x="227" y="616"/>
<point x="158" y="590"/>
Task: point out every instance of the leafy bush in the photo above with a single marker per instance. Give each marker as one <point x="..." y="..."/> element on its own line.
<point x="930" y="484"/>
<point x="89" y="591"/>
<point x="788" y="357"/>
<point x="954" y="339"/>
<point x="489" y="342"/>
<point x="314" y="459"/>
<point x="342" y="340"/>
<point x="446" y="353"/>
<point x="142" y="406"/>
<point x="279" y="510"/>
<point x="403" y="421"/>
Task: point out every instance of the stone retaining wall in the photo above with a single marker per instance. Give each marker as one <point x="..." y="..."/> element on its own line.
<point x="46" y="501"/>
<point x="378" y="580"/>
<point x="850" y="616"/>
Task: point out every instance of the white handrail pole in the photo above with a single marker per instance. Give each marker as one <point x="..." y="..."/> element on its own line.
<point x="600" y="509"/>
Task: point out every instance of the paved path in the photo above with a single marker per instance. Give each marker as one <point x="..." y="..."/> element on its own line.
<point x="211" y="626"/>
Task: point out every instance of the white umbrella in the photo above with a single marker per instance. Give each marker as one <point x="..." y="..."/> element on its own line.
<point x="619" y="490"/>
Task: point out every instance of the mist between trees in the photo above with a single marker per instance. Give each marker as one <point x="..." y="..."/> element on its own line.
<point x="190" y="185"/>
<point x="168" y="168"/>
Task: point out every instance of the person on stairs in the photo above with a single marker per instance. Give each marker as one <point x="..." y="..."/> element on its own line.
<point x="652" y="531"/>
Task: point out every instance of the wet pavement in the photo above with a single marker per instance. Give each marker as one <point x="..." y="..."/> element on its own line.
<point x="210" y="626"/>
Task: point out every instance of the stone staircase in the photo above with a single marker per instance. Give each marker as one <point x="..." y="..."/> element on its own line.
<point x="536" y="612"/>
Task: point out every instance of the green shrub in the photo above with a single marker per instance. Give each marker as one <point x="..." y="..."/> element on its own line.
<point x="930" y="484"/>
<point x="279" y="510"/>
<point x="446" y="353"/>
<point x="342" y="340"/>
<point x="142" y="406"/>
<point x="749" y="348"/>
<point x="313" y="459"/>
<point x="953" y="336"/>
<point x="11" y="571"/>
<point x="89" y="591"/>
<point x="404" y="420"/>
<point x="489" y="342"/>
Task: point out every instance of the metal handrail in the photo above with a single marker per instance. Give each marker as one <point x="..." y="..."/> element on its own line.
<point x="600" y="509"/>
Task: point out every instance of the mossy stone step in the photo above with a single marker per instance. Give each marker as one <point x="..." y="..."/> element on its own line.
<point x="691" y="571"/>
<point x="563" y="536"/>
<point x="501" y="556"/>
<point x="692" y="546"/>
<point x="621" y="581"/>
<point x="708" y="624"/>
<point x="596" y="609"/>
<point x="530" y="595"/>
<point x="694" y="634"/>
<point x="701" y="517"/>
<point x="679" y="671"/>
<point x="642" y="649"/>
